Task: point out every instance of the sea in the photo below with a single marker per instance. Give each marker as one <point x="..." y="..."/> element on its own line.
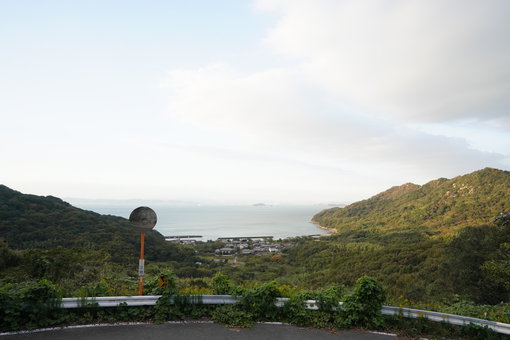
<point x="212" y="221"/>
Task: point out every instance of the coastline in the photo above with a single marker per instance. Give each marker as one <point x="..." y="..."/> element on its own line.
<point x="331" y="230"/>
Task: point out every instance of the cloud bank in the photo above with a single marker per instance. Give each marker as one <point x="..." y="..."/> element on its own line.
<point x="363" y="81"/>
<point x="413" y="60"/>
<point x="297" y="101"/>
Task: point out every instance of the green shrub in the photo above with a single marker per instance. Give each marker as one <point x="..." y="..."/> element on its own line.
<point x="171" y="306"/>
<point x="233" y="315"/>
<point x="163" y="281"/>
<point x="124" y="313"/>
<point x="222" y="285"/>
<point x="363" y="307"/>
<point x="101" y="288"/>
<point x="295" y="312"/>
<point x="35" y="305"/>
<point x="329" y="298"/>
<point x="260" y="301"/>
<point x="165" y="308"/>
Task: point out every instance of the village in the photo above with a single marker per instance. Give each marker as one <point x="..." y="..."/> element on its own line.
<point x="241" y="245"/>
<point x="248" y="245"/>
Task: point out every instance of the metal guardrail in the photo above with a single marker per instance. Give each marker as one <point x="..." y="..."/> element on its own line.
<point x="110" y="301"/>
<point x="453" y="319"/>
<point x="147" y="300"/>
<point x="150" y="300"/>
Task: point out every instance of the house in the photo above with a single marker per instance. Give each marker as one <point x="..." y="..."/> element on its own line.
<point x="225" y="251"/>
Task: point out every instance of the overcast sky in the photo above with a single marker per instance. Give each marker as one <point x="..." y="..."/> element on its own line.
<point x="277" y="101"/>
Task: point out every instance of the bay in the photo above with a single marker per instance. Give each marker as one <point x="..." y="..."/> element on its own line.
<point x="212" y="222"/>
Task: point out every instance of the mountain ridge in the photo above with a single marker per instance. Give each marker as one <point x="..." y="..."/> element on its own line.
<point x="442" y="204"/>
<point x="47" y="222"/>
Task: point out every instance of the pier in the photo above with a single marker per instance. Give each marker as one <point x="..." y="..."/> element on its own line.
<point x="237" y="238"/>
<point x="178" y="238"/>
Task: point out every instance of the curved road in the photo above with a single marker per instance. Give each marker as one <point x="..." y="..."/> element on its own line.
<point x="205" y="331"/>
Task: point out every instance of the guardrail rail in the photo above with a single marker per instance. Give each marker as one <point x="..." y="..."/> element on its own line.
<point x="150" y="300"/>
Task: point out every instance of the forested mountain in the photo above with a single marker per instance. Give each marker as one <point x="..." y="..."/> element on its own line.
<point x="425" y="242"/>
<point x="440" y="206"/>
<point x="441" y="241"/>
<point x="36" y="222"/>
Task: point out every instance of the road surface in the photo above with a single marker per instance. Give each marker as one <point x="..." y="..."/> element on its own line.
<point x="201" y="331"/>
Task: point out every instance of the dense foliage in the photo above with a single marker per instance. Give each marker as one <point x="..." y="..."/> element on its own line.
<point x="35" y="222"/>
<point x="473" y="264"/>
<point x="426" y="243"/>
<point x="29" y="306"/>
<point x="46" y="238"/>
<point x="437" y="207"/>
<point x="36" y="305"/>
<point x="442" y="246"/>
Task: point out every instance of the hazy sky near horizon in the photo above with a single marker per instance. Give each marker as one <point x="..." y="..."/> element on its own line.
<point x="277" y="101"/>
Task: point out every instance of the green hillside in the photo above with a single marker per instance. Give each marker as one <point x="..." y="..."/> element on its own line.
<point x="442" y="241"/>
<point x="36" y="222"/>
<point x="433" y="243"/>
<point x="425" y="243"/>
<point x="440" y="206"/>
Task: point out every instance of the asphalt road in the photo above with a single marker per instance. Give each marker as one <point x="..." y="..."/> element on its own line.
<point x="205" y="331"/>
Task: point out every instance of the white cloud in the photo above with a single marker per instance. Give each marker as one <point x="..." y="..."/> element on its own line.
<point x="348" y="116"/>
<point x="415" y="60"/>
<point x="364" y="97"/>
<point x="279" y="112"/>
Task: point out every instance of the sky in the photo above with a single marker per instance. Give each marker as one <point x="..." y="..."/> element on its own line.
<point x="238" y="102"/>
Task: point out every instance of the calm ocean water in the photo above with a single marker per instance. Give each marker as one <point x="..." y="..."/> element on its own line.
<point x="212" y="222"/>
